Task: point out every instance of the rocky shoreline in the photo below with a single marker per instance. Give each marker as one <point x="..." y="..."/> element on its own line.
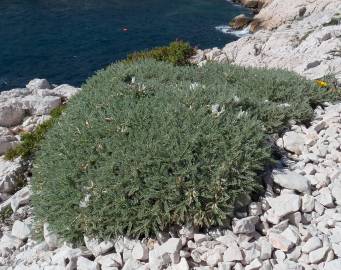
<point x="296" y="225"/>
<point x="301" y="36"/>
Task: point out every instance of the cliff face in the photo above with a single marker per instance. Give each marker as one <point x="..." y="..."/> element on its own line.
<point x="300" y="35"/>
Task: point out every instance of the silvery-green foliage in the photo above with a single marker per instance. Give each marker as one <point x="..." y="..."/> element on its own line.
<point x="143" y="146"/>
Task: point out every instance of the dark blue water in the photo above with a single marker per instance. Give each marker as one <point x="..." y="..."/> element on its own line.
<point x="65" y="41"/>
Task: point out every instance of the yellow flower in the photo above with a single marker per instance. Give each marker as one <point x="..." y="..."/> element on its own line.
<point x="321" y="83"/>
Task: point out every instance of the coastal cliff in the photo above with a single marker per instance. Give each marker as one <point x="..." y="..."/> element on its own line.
<point x="299" y="35"/>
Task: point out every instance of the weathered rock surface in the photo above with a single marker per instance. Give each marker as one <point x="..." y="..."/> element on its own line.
<point x="291" y="180"/>
<point x="24" y="109"/>
<point x="298" y="35"/>
<point x="239" y="22"/>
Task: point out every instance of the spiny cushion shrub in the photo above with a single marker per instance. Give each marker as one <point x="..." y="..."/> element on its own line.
<point x="177" y="53"/>
<point x="140" y="149"/>
<point x="30" y="140"/>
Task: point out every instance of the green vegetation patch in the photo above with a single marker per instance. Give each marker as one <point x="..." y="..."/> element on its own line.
<point x="30" y="141"/>
<point x="148" y="145"/>
<point x="5" y="214"/>
<point x="177" y="53"/>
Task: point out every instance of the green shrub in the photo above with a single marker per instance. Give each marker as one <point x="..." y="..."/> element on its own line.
<point x="177" y="53"/>
<point x="5" y="214"/>
<point x="30" y="140"/>
<point x="142" y="144"/>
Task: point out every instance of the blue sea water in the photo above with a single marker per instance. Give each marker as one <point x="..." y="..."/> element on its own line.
<point x="66" y="41"/>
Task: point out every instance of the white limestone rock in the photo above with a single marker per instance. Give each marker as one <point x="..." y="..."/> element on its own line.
<point x="245" y="225"/>
<point x="293" y="142"/>
<point x="21" y="230"/>
<point x="337" y="249"/>
<point x="291" y="180"/>
<point x="285" y="204"/>
<point x="280" y="242"/>
<point x="333" y="265"/>
<point x="140" y="252"/>
<point x="20" y="198"/>
<point x="336" y="193"/>
<point x="132" y="264"/>
<point x="308" y="203"/>
<point x="110" y="260"/>
<point x="38" y="84"/>
<point x="37" y="105"/>
<point x="335" y="236"/>
<point x="10" y="172"/>
<point x="11" y="114"/>
<point x="9" y="242"/>
<point x="233" y="253"/>
<point x="312" y="244"/>
<point x="50" y="237"/>
<point x="214" y="256"/>
<point x="318" y="255"/>
<point x="66" y="257"/>
<point x="168" y="252"/>
<point x="254" y="265"/>
<point x="325" y="197"/>
<point x="290" y="234"/>
<point x="265" y="249"/>
<point x="65" y="90"/>
<point x="98" y="247"/>
<point x="86" y="264"/>
<point x="182" y="265"/>
<point x="199" y="238"/>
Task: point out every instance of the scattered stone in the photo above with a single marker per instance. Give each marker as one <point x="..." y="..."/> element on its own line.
<point x="140" y="252"/>
<point x="65" y="91"/>
<point x="265" y="249"/>
<point x="50" y="237"/>
<point x="199" y="238"/>
<point x="308" y="203"/>
<point x="280" y="242"/>
<point x="336" y="193"/>
<point x="214" y="257"/>
<point x="21" y="230"/>
<point x="245" y="225"/>
<point x="86" y="264"/>
<point x="21" y="198"/>
<point x="333" y="265"/>
<point x="312" y="244"/>
<point x="254" y="265"/>
<point x="318" y="255"/>
<point x="285" y="204"/>
<point x="291" y="235"/>
<point x="98" y="247"/>
<point x="110" y="260"/>
<point x="132" y="264"/>
<point x="293" y="142"/>
<point x="325" y="198"/>
<point x="182" y="265"/>
<point x="291" y="180"/>
<point x="232" y="254"/>
<point x="9" y="242"/>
